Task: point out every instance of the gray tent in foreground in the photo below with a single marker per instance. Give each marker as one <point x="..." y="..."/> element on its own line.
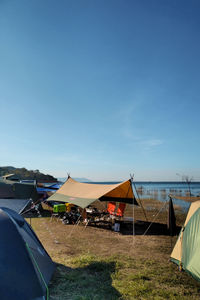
<point x="18" y="205"/>
<point x="83" y="194"/>
<point x="25" y="266"/>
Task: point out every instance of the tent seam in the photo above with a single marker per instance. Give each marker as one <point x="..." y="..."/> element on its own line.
<point x="46" y="286"/>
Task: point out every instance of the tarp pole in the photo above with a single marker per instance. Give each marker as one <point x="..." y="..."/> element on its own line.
<point x="133" y="205"/>
<point x="133" y="221"/>
<point x="139" y="198"/>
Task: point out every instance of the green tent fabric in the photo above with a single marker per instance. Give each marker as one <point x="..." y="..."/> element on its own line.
<point x="191" y="246"/>
<point x="82" y="202"/>
<point x="11" y="189"/>
<point x="186" y="251"/>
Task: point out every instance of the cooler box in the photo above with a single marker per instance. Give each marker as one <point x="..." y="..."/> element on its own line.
<point x="59" y="208"/>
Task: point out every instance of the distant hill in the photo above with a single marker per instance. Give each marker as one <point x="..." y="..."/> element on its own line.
<point x="24" y="174"/>
<point x="63" y="179"/>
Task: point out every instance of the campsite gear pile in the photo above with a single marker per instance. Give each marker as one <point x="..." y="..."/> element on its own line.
<point x="95" y="216"/>
<point x="36" y="209"/>
<point x="85" y="194"/>
<point x="72" y="216"/>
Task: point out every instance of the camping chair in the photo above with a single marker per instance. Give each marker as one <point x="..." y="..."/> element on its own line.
<point x="111" y="208"/>
<point x="121" y="209"/>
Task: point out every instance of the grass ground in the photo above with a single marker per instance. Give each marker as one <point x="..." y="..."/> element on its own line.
<point x="94" y="263"/>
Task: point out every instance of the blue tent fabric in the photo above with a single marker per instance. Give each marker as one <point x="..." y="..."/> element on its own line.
<point x="45" y="189"/>
<point x="26" y="266"/>
<point x="55" y="186"/>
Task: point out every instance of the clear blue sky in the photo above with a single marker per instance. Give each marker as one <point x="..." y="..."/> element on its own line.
<point x="101" y="89"/>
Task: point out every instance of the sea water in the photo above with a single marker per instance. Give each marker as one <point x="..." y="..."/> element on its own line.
<point x="162" y="190"/>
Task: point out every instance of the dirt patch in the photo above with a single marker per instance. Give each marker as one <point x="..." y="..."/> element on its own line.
<point x="74" y="240"/>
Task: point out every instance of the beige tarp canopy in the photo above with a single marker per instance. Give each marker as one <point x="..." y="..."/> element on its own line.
<point x="83" y="194"/>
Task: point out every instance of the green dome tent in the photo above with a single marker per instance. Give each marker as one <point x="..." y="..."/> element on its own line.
<point x="186" y="250"/>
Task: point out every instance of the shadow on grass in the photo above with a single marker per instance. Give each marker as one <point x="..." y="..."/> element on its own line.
<point x="91" y="282"/>
<point x="141" y="227"/>
<point x="148" y="228"/>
